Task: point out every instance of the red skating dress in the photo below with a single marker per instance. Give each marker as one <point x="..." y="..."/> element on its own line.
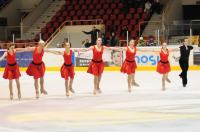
<point x="67" y="69"/>
<point x="163" y="65"/>
<point x="12" y="69"/>
<point x="37" y="67"/>
<point x="129" y="65"/>
<point x="96" y="65"/>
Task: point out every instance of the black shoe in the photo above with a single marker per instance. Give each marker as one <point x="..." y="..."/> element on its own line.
<point x="184" y="85"/>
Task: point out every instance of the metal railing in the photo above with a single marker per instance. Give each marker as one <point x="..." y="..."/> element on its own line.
<point x="97" y="21"/>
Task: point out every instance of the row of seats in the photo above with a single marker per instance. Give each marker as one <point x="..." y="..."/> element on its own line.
<point x="110" y="11"/>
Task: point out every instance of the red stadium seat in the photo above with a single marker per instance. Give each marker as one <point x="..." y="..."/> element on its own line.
<point x="45" y="36"/>
<point x="130" y="27"/>
<point x="91" y="7"/>
<point x="109" y="11"/>
<point x="125" y="22"/>
<point x="98" y="7"/>
<point x="128" y="16"/>
<point x="69" y="8"/>
<point x="109" y="23"/>
<point x="116" y="11"/>
<point x="133" y="34"/>
<point x="132" y="22"/>
<point x="116" y="23"/>
<point x="90" y="17"/>
<point x="84" y="7"/>
<point x="136" y="16"/>
<point x="101" y="12"/>
<point x="72" y="13"/>
<point x="50" y="30"/>
<point x="83" y="18"/>
<point x="64" y="13"/>
<point x="79" y="12"/>
<point x="121" y="16"/>
<point x="132" y="10"/>
<point x="55" y="25"/>
<point x="88" y="2"/>
<point x="81" y="2"/>
<point x="139" y="10"/>
<point x="113" y="6"/>
<point x="121" y="5"/>
<point x="48" y="25"/>
<point x="67" y="18"/>
<point x="58" y="13"/>
<point x="87" y="12"/>
<point x="94" y="12"/>
<point x="68" y="2"/>
<point x="75" y="18"/>
<point x="105" y="6"/>
<point x="77" y="7"/>
<point x="60" y="19"/>
<point x="96" y="1"/>
<point x="105" y="17"/>
<point x="112" y="17"/>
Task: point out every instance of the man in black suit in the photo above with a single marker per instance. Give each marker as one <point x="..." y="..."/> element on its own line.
<point x="184" y="60"/>
<point x="93" y="35"/>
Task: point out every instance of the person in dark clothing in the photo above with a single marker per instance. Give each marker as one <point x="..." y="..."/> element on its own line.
<point x="184" y="60"/>
<point x="93" y="35"/>
<point x="114" y="41"/>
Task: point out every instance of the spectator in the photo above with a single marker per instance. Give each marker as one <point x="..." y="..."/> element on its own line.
<point x="124" y="31"/>
<point x="141" y="42"/>
<point x="85" y="43"/>
<point x="157" y="6"/>
<point x="93" y="35"/>
<point x="151" y="41"/>
<point x="104" y="39"/>
<point x="147" y="8"/>
<point x="114" y="41"/>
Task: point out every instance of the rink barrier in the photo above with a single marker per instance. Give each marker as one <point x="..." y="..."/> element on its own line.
<point x="146" y="60"/>
<point x="139" y="68"/>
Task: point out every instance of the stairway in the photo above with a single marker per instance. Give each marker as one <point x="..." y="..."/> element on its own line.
<point x="44" y="18"/>
<point x="153" y="25"/>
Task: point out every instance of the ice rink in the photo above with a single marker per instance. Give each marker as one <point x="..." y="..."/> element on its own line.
<point x="146" y="109"/>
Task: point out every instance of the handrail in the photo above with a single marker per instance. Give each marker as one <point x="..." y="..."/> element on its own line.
<point x="71" y="23"/>
<point x="140" y="23"/>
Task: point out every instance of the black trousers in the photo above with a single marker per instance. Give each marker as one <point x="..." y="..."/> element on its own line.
<point x="184" y="67"/>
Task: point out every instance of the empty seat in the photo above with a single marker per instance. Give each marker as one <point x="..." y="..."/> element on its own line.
<point x="98" y="7"/>
<point x="132" y="22"/>
<point x="125" y="22"/>
<point x="139" y="10"/>
<point x="121" y="16"/>
<point x="64" y="13"/>
<point x="113" y="6"/>
<point x="83" y="17"/>
<point x="128" y="16"/>
<point x="132" y="10"/>
<point x="87" y="12"/>
<point x="101" y="12"/>
<point x="116" y="11"/>
<point x="79" y="12"/>
<point x="112" y="17"/>
<point x="109" y="11"/>
<point x="94" y="12"/>
<point x="90" y="17"/>
<point x="84" y="7"/>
